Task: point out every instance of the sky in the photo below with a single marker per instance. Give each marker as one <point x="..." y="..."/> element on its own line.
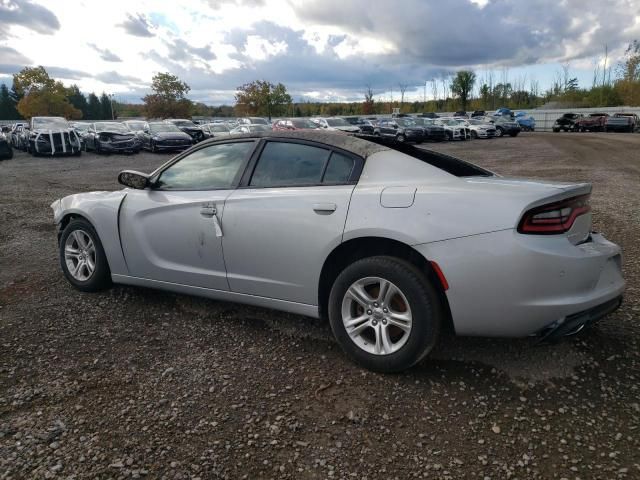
<point x="327" y="50"/>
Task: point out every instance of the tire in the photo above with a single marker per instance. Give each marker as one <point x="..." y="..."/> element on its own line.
<point x="154" y="149"/>
<point x="499" y="132"/>
<point x="96" y="147"/>
<point x="406" y="347"/>
<point x="401" y="138"/>
<point x="474" y="135"/>
<point x="74" y="239"/>
<point x="514" y="134"/>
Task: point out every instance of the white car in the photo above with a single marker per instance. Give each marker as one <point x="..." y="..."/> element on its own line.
<point x="453" y="128"/>
<point x="391" y="244"/>
<point x="479" y="129"/>
<point x="335" y="123"/>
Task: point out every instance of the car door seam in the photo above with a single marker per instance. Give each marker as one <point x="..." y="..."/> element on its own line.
<point x="124" y="257"/>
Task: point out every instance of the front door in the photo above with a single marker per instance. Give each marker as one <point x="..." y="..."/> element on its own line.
<point x="172" y="231"/>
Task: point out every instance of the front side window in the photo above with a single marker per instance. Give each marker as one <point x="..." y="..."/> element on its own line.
<point x="289" y="164"/>
<point x="209" y="168"/>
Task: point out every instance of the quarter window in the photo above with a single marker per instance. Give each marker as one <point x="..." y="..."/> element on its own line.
<point x="289" y="164"/>
<point x="209" y="168"/>
<point x="339" y="169"/>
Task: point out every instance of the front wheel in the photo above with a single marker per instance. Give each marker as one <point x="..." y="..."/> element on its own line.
<point x="384" y="313"/>
<point x="499" y="132"/>
<point x="474" y="134"/>
<point x="82" y="257"/>
<point x="401" y="138"/>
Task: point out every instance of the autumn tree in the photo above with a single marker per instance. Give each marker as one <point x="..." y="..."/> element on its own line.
<point x="42" y="95"/>
<point x="368" y="106"/>
<point x="168" y="99"/>
<point x="262" y="98"/>
<point x="629" y="75"/>
<point x="462" y="86"/>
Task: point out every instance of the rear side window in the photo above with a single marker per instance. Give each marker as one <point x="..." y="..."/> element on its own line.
<point x="339" y="169"/>
<point x="289" y="164"/>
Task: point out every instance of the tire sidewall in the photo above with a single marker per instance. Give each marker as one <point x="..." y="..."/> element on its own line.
<point x="423" y="301"/>
<point x="101" y="277"/>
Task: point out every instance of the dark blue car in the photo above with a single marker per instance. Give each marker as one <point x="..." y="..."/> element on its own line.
<point x="527" y="123"/>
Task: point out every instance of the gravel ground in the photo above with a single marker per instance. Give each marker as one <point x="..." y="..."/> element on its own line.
<point x="133" y="383"/>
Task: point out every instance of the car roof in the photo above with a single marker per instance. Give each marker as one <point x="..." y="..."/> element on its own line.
<point x="350" y="143"/>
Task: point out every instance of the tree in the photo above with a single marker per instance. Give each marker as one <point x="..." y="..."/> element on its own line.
<point x="168" y="98"/>
<point x="78" y="100"/>
<point x="462" y="86"/>
<point x="403" y="88"/>
<point x="105" y="107"/>
<point x="8" y="109"/>
<point x="368" y="105"/>
<point x="262" y="98"/>
<point x="94" y="108"/>
<point x="42" y="95"/>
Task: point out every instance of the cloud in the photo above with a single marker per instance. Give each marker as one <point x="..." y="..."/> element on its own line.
<point x="115" y="77"/>
<point x="66" y="73"/>
<point x="105" y="54"/>
<point x="27" y="14"/>
<point x="180" y="50"/>
<point x="10" y="55"/>
<point x="137" y="25"/>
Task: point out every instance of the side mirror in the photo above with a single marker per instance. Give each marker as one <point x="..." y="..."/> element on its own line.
<point x="133" y="179"/>
<point x="146" y="130"/>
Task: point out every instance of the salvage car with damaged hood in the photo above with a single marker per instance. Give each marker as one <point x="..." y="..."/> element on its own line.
<point x="164" y="136"/>
<point x="52" y="136"/>
<point x="111" y="137"/>
<point x="188" y="127"/>
<point x="391" y="242"/>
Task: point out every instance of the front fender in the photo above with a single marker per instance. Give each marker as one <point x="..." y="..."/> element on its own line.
<point x="101" y="209"/>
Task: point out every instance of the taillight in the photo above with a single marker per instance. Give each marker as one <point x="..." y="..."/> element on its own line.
<point x="555" y="217"/>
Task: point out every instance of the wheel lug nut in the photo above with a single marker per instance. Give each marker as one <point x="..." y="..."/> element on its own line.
<point x="374" y="323"/>
<point x="384" y="322"/>
<point x="369" y="312"/>
<point x="375" y="305"/>
<point x="385" y="310"/>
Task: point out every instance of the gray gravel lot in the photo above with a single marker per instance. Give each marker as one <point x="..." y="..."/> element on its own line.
<point x="134" y="383"/>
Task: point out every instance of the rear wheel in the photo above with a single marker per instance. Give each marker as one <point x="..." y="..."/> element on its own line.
<point x="474" y="134"/>
<point x="384" y="313"/>
<point x="401" y="138"/>
<point x="154" y="149"/>
<point x="82" y="257"/>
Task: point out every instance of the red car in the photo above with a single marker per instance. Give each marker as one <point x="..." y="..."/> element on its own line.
<point x="595" y="122"/>
<point x="295" y="124"/>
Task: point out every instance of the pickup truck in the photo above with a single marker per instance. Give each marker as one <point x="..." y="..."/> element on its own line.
<point x="566" y="122"/>
<point x="594" y="122"/>
<point x="622" y="122"/>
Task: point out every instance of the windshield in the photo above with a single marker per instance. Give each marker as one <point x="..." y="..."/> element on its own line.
<point x="50" y="123"/>
<point x="111" y="126"/>
<point x="406" y="122"/>
<point x="477" y="122"/>
<point x="81" y="126"/>
<point x="303" y="123"/>
<point x="259" y="128"/>
<point x="135" y="125"/>
<point x="218" y="128"/>
<point x="258" y="121"/>
<point x="163" y="127"/>
<point x="337" y="122"/>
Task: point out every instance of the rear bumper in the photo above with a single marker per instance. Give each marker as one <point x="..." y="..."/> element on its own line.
<point x="513" y="285"/>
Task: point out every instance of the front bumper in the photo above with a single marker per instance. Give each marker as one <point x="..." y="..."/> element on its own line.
<point x="512" y="285"/>
<point x="128" y="146"/>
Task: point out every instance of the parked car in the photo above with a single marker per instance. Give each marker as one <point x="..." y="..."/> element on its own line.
<point x="622" y="122"/>
<point x="16" y="137"/>
<point x="478" y="113"/>
<point x="81" y="128"/>
<point x="390" y="243"/>
<point x="566" y="122"/>
<point x="135" y="126"/>
<point x="594" y="122"/>
<point x="188" y="127"/>
<point x="506" y="126"/>
<point x="365" y="126"/>
<point x="428" y="115"/>
<point x="164" y="136"/>
<point x="401" y="129"/>
<point x="52" y="136"/>
<point x="251" y="121"/>
<point x="6" y="152"/>
<point x="481" y="129"/>
<point x="257" y="128"/>
<point x="527" y="122"/>
<point x="111" y="137"/>
<point x="452" y="128"/>
<point x="433" y="132"/>
<point x="336" y="123"/>
<point x="463" y="122"/>
<point x="295" y="124"/>
<point x="460" y="114"/>
<point x="503" y="112"/>
<point x="218" y="129"/>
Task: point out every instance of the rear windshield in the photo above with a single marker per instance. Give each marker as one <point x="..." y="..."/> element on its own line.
<point x="451" y="165"/>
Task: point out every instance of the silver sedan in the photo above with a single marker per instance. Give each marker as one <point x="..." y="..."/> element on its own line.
<point x="391" y="243"/>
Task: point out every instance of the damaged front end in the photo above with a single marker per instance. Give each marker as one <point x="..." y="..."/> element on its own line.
<point x="55" y="142"/>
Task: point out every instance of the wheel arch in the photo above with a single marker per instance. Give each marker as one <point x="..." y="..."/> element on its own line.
<point x="362" y="247"/>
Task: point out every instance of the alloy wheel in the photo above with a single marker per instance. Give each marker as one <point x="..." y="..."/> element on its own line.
<point x="80" y="255"/>
<point x="376" y="316"/>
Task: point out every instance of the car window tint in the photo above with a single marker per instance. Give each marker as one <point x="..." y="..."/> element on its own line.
<point x="209" y="168"/>
<point x="285" y="164"/>
<point x="339" y="169"/>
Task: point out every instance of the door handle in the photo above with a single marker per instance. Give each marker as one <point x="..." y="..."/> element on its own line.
<point x="208" y="211"/>
<point x="324" y="207"/>
<point x="212" y="212"/>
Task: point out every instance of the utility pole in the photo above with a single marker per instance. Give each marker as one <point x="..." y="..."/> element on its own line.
<point x="111" y="102"/>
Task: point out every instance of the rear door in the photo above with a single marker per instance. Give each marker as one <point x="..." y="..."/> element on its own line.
<point x="172" y="232"/>
<point x="289" y="213"/>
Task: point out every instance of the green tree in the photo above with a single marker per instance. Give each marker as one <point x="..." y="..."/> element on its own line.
<point x="94" y="108"/>
<point x="168" y="98"/>
<point x="78" y="100"/>
<point x="8" y="109"/>
<point x="462" y="86"/>
<point x="262" y="98"/>
<point x="105" y="107"/>
<point x="41" y="95"/>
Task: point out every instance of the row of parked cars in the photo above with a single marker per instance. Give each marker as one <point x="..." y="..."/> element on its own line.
<point x="597" y="122"/>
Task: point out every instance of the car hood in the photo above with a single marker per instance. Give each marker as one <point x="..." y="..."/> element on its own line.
<point x="347" y="128"/>
<point x="171" y="136"/>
